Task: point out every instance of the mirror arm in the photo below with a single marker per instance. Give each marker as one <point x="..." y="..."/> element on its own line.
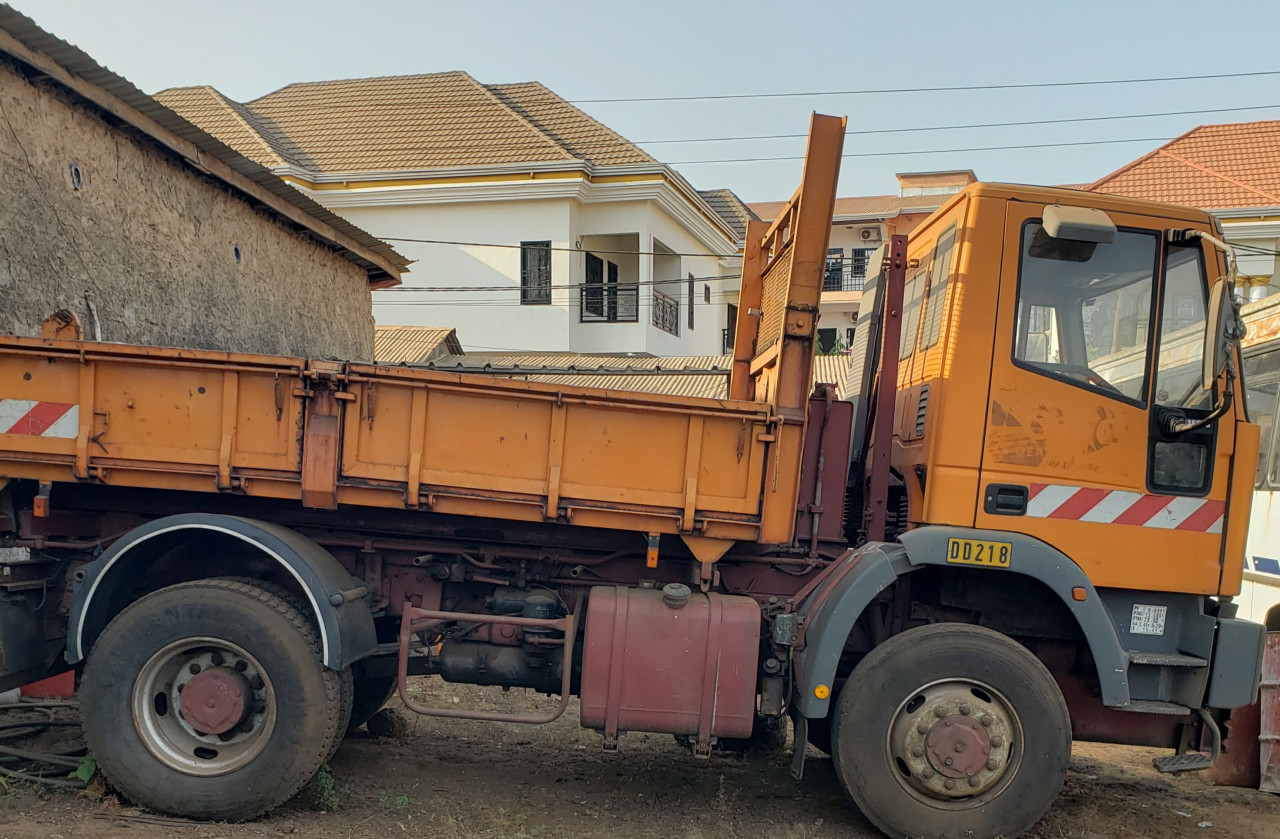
<point x="1177" y="426"/>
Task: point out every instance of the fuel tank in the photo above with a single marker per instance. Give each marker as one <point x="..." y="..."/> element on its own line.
<point x="669" y="661"/>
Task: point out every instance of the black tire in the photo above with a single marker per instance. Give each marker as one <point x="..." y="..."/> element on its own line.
<point x="990" y="693"/>
<point x="124" y="691"/>
<point x="371" y="693"/>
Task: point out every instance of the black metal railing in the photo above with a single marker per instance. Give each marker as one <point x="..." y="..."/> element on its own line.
<point x="666" y="312"/>
<point x="609" y="303"/>
<point x="845" y="276"/>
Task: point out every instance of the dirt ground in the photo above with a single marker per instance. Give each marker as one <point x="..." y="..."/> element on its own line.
<point x="449" y="779"/>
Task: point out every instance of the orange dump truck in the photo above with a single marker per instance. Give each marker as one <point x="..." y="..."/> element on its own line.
<point x="1026" y="525"/>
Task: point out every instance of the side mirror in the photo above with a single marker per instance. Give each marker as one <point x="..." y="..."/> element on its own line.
<point x="1221" y="332"/>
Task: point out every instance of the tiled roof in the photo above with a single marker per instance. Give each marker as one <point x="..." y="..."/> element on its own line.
<point x="865" y="206"/>
<point x="413" y="344"/>
<point x="406" y="123"/>
<point x="730" y="208"/>
<point x="1213" y="167"/>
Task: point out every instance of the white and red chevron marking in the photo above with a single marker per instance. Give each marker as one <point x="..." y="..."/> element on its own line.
<point x="39" y="419"/>
<point x="1168" y="512"/>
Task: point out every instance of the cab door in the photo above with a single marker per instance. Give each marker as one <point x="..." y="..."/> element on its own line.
<point x="1092" y="354"/>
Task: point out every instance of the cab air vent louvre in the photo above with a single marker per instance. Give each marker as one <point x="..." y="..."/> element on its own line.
<point x="921" y="410"/>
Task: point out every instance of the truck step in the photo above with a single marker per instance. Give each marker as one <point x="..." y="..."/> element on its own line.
<point x="1165" y="659"/>
<point x="1189" y="762"/>
<point x="1153" y="706"/>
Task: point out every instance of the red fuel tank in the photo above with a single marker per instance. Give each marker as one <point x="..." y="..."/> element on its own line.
<point x="669" y="661"/>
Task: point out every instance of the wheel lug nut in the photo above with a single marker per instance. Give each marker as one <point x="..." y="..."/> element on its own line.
<point x="216" y="658"/>
<point x="180" y="687"/>
<point x="987" y="720"/>
<point x="246" y="726"/>
<point x="973" y="780"/>
<point x="926" y="773"/>
<point x="940" y="712"/>
<point x="260" y="707"/>
<point x="997" y="741"/>
<point x="965" y="709"/>
<point x="917" y="752"/>
<point x="194" y="668"/>
<point x="242" y="665"/>
<point x="257" y="683"/>
<point x="993" y="765"/>
<point x="922" y="728"/>
<point x="949" y="784"/>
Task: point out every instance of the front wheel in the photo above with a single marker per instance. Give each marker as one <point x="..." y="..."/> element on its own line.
<point x="951" y="731"/>
<point x="208" y="700"/>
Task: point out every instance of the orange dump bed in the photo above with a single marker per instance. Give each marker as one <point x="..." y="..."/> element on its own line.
<point x="328" y="434"/>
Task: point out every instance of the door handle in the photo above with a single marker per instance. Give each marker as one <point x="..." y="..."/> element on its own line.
<point x="1005" y="500"/>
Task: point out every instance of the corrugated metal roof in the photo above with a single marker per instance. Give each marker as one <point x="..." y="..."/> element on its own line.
<point x="700" y="376"/>
<point x="394" y="344"/>
<point x="79" y="64"/>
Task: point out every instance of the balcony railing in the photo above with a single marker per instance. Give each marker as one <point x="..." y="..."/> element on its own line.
<point x="727" y="337"/>
<point x="666" y="312"/>
<point x="609" y="303"/>
<point x="845" y="276"/>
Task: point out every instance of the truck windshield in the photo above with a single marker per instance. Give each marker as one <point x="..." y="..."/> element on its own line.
<point x="1084" y="310"/>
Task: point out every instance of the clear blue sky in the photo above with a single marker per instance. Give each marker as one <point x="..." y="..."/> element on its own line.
<point x="615" y="48"/>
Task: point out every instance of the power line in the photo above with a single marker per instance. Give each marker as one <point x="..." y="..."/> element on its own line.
<point x="671" y="281"/>
<point x="564" y="249"/>
<point x="1062" y="121"/>
<point x="932" y="151"/>
<point x="941" y="89"/>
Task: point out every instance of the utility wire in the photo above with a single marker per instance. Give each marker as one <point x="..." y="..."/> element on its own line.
<point x="940" y="89"/>
<point x="959" y="126"/>
<point x="564" y="249"/>
<point x="931" y="151"/>
<point x="672" y="281"/>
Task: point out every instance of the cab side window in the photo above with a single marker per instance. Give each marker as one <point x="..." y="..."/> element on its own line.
<point x="1084" y="310"/>
<point x="1262" y="395"/>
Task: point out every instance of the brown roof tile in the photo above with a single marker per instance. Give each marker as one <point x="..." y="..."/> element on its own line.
<point x="1212" y="167"/>
<point x="730" y="208"/>
<point x="868" y="206"/>
<point x="404" y="123"/>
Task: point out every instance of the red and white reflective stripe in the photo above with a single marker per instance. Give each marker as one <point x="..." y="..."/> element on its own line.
<point x="39" y="419"/>
<point x="1168" y="512"/>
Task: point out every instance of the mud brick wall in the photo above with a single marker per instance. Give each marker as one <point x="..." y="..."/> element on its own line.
<point x="95" y="218"/>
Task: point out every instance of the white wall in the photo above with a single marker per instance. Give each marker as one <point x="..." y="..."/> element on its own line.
<point x="496" y="321"/>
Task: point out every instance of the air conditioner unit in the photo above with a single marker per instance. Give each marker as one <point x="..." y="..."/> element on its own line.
<point x="869" y="235"/>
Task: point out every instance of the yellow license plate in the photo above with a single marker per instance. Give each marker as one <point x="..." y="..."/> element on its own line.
<point x="979" y="552"/>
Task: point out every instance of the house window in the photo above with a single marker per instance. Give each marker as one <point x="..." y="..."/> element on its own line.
<point x="690" y="296"/>
<point x="730" y="333"/>
<point x="858" y="259"/>
<point x="535" y="272"/>
<point x="833" y="279"/>
<point x="603" y="298"/>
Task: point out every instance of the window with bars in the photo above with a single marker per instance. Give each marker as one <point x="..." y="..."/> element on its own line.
<point x="603" y="298"/>
<point x="535" y="272"/>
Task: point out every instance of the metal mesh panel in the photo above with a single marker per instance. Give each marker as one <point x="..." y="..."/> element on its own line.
<point x="773" y="302"/>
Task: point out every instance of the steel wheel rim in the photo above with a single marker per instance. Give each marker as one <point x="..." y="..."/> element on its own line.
<point x="158" y="712"/>
<point x="943" y="713"/>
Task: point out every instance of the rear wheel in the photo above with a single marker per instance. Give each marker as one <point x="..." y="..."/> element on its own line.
<point x="209" y="700"/>
<point x="951" y="731"/>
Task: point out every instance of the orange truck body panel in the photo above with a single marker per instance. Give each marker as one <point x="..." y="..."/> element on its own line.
<point x="329" y="434"/>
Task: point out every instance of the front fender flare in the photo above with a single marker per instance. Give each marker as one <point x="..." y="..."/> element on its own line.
<point x="832" y="609"/>
<point x="344" y="621"/>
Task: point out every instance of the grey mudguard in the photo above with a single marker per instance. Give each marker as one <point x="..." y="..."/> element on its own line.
<point x="878" y="565"/>
<point x="861" y="575"/>
<point x="346" y="625"/>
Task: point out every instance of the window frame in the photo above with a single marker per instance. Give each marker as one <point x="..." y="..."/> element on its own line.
<point x="927" y="321"/>
<point x="1152" y="319"/>
<point x="532" y="294"/>
<point x="1269" y="446"/>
